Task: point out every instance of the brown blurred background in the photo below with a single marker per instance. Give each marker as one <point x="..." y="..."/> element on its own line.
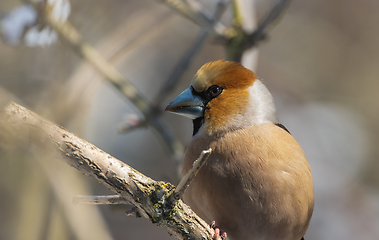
<point x="320" y="62"/>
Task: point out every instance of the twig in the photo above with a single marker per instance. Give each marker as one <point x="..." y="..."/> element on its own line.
<point x="181" y="66"/>
<point x="196" y="15"/>
<point x="131" y="122"/>
<point x="151" y="198"/>
<point x="70" y="35"/>
<point x="241" y="40"/>
<point x="101" y="200"/>
<point x="186" y="179"/>
<point x="186" y="59"/>
<point x="260" y="32"/>
<point x="237" y="15"/>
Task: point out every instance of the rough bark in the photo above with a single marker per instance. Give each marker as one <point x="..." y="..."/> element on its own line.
<point x="153" y="199"/>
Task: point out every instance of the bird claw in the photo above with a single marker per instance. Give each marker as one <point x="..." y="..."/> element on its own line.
<point x="218" y="233"/>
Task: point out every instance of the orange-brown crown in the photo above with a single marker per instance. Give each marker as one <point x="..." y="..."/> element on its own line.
<point x="223" y="73"/>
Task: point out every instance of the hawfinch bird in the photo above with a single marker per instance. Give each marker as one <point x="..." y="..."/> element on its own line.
<point x="256" y="184"/>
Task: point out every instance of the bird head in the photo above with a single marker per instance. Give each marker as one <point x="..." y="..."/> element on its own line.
<point x="224" y="96"/>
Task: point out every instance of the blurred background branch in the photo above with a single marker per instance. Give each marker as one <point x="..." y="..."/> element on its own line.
<point x="243" y="40"/>
<point x="272" y="17"/>
<point x="70" y="35"/>
<point x="318" y="63"/>
<point x="188" y="57"/>
<point x="193" y="11"/>
<point x="106" y="200"/>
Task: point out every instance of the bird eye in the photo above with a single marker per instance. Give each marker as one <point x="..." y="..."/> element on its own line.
<point x="214" y="91"/>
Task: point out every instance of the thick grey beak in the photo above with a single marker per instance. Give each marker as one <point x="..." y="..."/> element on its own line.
<point x="187" y="104"/>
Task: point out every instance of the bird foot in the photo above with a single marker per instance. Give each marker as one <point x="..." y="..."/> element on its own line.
<point x="218" y="233"/>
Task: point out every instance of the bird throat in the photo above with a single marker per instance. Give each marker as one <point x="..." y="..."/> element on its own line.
<point x="197" y="123"/>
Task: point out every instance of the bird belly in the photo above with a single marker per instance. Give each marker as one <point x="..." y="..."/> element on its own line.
<point x="250" y="193"/>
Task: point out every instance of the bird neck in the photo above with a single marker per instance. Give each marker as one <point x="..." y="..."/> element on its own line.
<point x="261" y="107"/>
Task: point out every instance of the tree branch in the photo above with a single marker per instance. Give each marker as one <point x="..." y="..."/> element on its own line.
<point x="271" y="17"/>
<point x="176" y="195"/>
<point x="101" y="200"/>
<point x="186" y="59"/>
<point x="186" y="179"/>
<point x="152" y="199"/>
<point x="196" y="15"/>
<point x="237" y="15"/>
<point x="241" y="40"/>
